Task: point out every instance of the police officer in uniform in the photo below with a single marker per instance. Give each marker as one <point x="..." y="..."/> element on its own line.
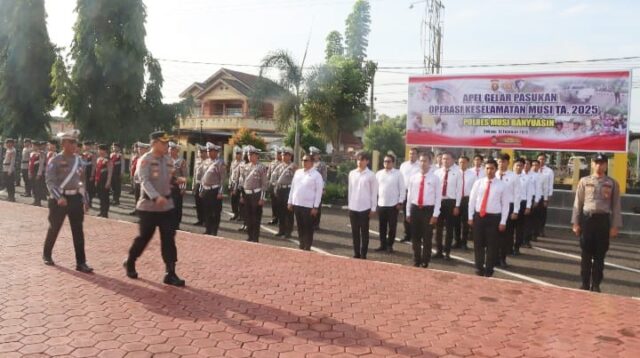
<point x="242" y="206"/>
<point x="321" y="167"/>
<point x="27" y="145"/>
<point x="89" y="160"/>
<point x="68" y="198"/>
<point x="103" y="179"/>
<point x="36" y="172"/>
<point x="9" y="169"/>
<point x="285" y="172"/>
<point x="142" y="148"/>
<point x="255" y="183"/>
<point x="596" y="219"/>
<point x="178" y="190"/>
<point x="211" y="189"/>
<point x="234" y="176"/>
<point x="155" y="208"/>
<point x="118" y="166"/>
<point x="272" y="175"/>
<point x="201" y="165"/>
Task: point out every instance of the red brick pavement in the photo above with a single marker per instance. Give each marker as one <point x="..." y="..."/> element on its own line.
<point x="249" y="300"/>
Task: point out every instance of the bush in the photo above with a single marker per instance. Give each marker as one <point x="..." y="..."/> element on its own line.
<point x="335" y="193"/>
<point x="244" y="136"/>
<point x="342" y="172"/>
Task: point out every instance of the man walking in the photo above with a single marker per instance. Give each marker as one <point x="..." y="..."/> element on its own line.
<point x="363" y="192"/>
<point x="304" y="200"/>
<point x="596" y="219"/>
<point x="211" y="190"/>
<point x="155" y="208"/>
<point x="65" y="176"/>
<point x="391" y="194"/>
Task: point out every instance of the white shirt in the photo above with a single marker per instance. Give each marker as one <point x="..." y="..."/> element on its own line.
<point x="497" y="202"/>
<point x="391" y="188"/>
<point x="407" y="169"/>
<point x="478" y="172"/>
<point x="469" y="177"/>
<point x="363" y="190"/>
<point x="527" y="189"/>
<point x="547" y="173"/>
<point x="541" y="185"/>
<point x="432" y="195"/>
<point x="513" y="185"/>
<point x="306" y="188"/>
<point x="454" y="183"/>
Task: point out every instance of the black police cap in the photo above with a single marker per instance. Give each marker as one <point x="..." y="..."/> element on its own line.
<point x="600" y="158"/>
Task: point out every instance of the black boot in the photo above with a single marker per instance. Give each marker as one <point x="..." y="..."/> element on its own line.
<point x="171" y="278"/>
<point x="130" y="266"/>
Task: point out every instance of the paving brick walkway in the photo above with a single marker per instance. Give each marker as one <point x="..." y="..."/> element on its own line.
<point x="245" y="300"/>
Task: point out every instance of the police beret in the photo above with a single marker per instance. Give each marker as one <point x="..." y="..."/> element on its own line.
<point x="159" y="135"/>
<point x="252" y="149"/>
<point x="143" y="145"/>
<point x="211" y="146"/>
<point x="600" y="157"/>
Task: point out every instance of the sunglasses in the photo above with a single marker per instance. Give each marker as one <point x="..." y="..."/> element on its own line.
<point x="387" y="161"/>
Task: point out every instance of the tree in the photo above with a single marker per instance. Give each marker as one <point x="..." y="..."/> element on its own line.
<point x="26" y="59"/>
<point x="244" y="136"/>
<point x="334" y="45"/>
<point x="398" y="122"/>
<point x="357" y="31"/>
<point x="384" y="138"/>
<point x="308" y="138"/>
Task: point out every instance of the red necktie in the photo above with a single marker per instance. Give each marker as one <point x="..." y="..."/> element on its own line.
<point x="421" y="193"/>
<point x="444" y="186"/>
<point x="485" y="200"/>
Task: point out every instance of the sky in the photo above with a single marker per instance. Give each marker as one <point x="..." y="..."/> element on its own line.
<point x="242" y="32"/>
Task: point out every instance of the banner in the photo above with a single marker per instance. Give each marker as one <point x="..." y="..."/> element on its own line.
<point x="586" y="111"/>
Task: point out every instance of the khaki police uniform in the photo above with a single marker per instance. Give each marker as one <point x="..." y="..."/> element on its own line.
<point x="254" y="183"/>
<point x="116" y="179"/>
<point x="234" y="188"/>
<point x="211" y="191"/>
<point x="321" y="167"/>
<point x="24" y="167"/>
<point x="9" y="171"/>
<point x="200" y="167"/>
<point x="272" y="176"/>
<point x="282" y="186"/>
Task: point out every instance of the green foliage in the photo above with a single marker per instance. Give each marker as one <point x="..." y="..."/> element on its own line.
<point x="357" y="31"/>
<point x="244" y="136"/>
<point x="308" y="138"/>
<point x="398" y="122"/>
<point x="334" y="45"/>
<point x="335" y="193"/>
<point x="384" y="138"/>
<point x="26" y="60"/>
<point x="291" y="80"/>
<point x="342" y="172"/>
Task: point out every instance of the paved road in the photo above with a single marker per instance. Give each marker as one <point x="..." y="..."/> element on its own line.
<point x="554" y="260"/>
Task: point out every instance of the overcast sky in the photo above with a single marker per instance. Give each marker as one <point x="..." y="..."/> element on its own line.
<point x="242" y="32"/>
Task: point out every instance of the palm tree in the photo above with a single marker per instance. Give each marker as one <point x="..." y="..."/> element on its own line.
<point x="291" y="79"/>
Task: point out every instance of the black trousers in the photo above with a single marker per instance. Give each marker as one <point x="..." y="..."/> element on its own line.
<point x="164" y="221"/>
<point x="116" y="186"/>
<point x="254" y="215"/>
<point x="521" y="224"/>
<point x="198" y="200"/>
<point x="305" y="226"/>
<point x="388" y="220"/>
<point x="137" y="189"/>
<point x="212" y="210"/>
<point x="461" y="229"/>
<point x="27" y="182"/>
<point x="542" y="217"/>
<point x="235" y="201"/>
<point x="285" y="217"/>
<point x="594" y="243"/>
<point x="446" y="219"/>
<point x="506" y="237"/>
<point x="422" y="233"/>
<point x="359" y="232"/>
<point x="275" y="205"/>
<point x="485" y="241"/>
<point x="90" y="184"/>
<point x="407" y="226"/>
<point x="316" y="219"/>
<point x="75" y="211"/>
<point x="103" y="196"/>
<point x="177" y="197"/>
<point x="10" y="184"/>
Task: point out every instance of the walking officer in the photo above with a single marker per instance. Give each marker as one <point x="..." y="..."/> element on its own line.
<point x="65" y="176"/>
<point x="201" y="165"/>
<point x="321" y="167"/>
<point x="272" y="176"/>
<point x="254" y="183"/>
<point x="9" y="169"/>
<point x="596" y="219"/>
<point x="155" y="208"/>
<point x="282" y="189"/>
<point x="211" y="189"/>
<point x="118" y="169"/>
<point x="178" y="190"/>
<point x="234" y="176"/>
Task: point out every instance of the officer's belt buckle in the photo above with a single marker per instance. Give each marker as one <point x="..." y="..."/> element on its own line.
<point x="254" y="191"/>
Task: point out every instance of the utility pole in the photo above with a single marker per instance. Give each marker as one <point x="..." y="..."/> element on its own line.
<point x="370" y="69"/>
<point x="432" y="35"/>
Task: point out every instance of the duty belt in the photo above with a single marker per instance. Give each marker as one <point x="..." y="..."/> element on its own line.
<point x="209" y="187"/>
<point x="248" y="191"/>
<point x="284" y="186"/>
<point x="71" y="192"/>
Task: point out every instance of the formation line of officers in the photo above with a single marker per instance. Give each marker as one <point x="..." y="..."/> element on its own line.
<point x="501" y="210"/>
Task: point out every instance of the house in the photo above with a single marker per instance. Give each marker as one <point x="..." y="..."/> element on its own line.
<point x="222" y="106"/>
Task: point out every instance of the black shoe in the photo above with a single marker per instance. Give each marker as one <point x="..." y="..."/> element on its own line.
<point x="390" y="250"/>
<point x="438" y="255"/>
<point x="527" y="245"/>
<point x="84" y="268"/>
<point x="416" y="264"/>
<point x="131" y="268"/>
<point x="381" y="248"/>
<point x="279" y="234"/>
<point x="363" y="258"/>
<point x="479" y="272"/>
<point x="488" y="274"/>
<point x="425" y="265"/>
<point x="503" y="263"/>
<point x="447" y="257"/>
<point x="25" y="195"/>
<point x="242" y="228"/>
<point x="48" y="261"/>
<point x="595" y="288"/>
<point x="585" y="287"/>
<point x="273" y="222"/>
<point x="356" y="256"/>
<point x="173" y="280"/>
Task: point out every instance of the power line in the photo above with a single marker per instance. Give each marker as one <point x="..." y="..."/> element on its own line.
<point x="628" y="58"/>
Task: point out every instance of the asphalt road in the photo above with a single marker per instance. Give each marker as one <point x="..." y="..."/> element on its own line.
<point x="554" y="260"/>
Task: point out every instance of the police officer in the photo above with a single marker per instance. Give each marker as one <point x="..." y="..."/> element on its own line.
<point x="178" y="190"/>
<point x="201" y="165"/>
<point x="596" y="219"/>
<point x="272" y="175"/>
<point x="103" y="179"/>
<point x="282" y="189"/>
<point x="9" y="169"/>
<point x="36" y="172"/>
<point x="254" y="182"/>
<point x="211" y="189"/>
<point x="27" y="146"/>
<point x="89" y="161"/>
<point x="68" y="198"/>
<point x="242" y="206"/>
<point x="155" y="208"/>
<point x="142" y="148"/>
<point x="118" y="166"/>
<point x="135" y="154"/>
<point x="234" y="176"/>
<point x="321" y="167"/>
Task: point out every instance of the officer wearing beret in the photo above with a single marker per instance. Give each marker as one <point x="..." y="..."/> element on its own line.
<point x="9" y="169"/>
<point x="156" y="208"/>
<point x="211" y="189"/>
<point x="321" y="167"/>
<point x="234" y="176"/>
<point x="65" y="175"/>
<point x="255" y="183"/>
<point x="118" y="169"/>
<point x="596" y="219"/>
<point x="103" y="179"/>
